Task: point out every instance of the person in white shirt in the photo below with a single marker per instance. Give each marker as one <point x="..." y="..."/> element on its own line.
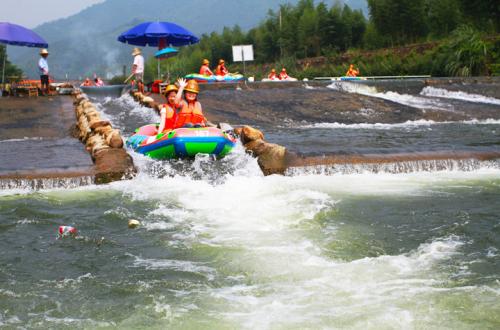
<point x="43" y="67"/>
<point x="138" y="69"/>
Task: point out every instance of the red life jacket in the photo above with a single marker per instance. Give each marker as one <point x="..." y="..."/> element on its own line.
<point x="190" y="115"/>
<point x="221" y="70"/>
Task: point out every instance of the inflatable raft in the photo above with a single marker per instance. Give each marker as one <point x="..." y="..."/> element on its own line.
<point x="181" y="142"/>
<point x="232" y="77"/>
<point x="345" y="78"/>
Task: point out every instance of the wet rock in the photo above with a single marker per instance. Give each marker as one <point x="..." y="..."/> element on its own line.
<point x="112" y="165"/>
<point x="270" y="156"/>
<point x="249" y="133"/>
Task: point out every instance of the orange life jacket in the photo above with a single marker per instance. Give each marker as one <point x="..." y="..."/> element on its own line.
<point x="193" y="115"/>
<point x="272" y="75"/>
<point x="170" y="117"/>
<point x="221" y="70"/>
<point x="352" y="73"/>
<point x="283" y="76"/>
<point x="205" y="70"/>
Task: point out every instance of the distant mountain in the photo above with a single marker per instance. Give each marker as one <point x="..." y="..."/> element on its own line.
<point x="87" y="42"/>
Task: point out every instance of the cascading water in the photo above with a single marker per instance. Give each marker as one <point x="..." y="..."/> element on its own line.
<point x="221" y="246"/>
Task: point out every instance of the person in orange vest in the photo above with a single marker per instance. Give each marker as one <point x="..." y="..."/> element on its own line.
<point x="87" y="82"/>
<point x="168" y="112"/>
<point x="205" y="70"/>
<point x="221" y="69"/>
<point x="191" y="113"/>
<point x="283" y="74"/>
<point x="352" y="72"/>
<point x="272" y="75"/>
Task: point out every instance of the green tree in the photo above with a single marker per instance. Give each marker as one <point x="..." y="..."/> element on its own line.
<point x="402" y="20"/>
<point x="442" y="16"/>
<point x="10" y="69"/>
<point x="484" y="14"/>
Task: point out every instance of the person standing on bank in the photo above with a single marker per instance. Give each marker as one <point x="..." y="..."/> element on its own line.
<point x="138" y="69"/>
<point x="43" y="67"/>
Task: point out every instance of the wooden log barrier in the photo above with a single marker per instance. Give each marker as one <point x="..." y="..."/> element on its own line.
<point x="104" y="144"/>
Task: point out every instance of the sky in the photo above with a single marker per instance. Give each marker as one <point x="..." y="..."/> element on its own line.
<point x="31" y="13"/>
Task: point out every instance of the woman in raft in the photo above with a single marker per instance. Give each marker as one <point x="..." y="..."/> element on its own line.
<point x="204" y="69"/>
<point x="168" y="112"/>
<point x="352" y="72"/>
<point x="190" y="114"/>
<point x="221" y="69"/>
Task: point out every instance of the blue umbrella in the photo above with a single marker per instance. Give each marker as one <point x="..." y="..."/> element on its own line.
<point x="13" y="34"/>
<point x="158" y="34"/>
<point x="151" y="34"/>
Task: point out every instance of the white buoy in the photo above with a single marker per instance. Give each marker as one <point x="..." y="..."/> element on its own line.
<point x="132" y="223"/>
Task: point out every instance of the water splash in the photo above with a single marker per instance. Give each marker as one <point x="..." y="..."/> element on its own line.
<point x="446" y="94"/>
<point x="405" y="99"/>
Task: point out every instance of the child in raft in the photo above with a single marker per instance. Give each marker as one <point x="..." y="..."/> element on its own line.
<point x="168" y="112"/>
<point x="191" y="113"/>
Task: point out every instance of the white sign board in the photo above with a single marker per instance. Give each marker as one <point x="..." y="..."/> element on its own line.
<point x="242" y="53"/>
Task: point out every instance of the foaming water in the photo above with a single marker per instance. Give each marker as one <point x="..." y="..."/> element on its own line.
<point x="126" y="114"/>
<point x="405" y="99"/>
<point x="248" y="251"/>
<point x="396" y="167"/>
<point x="279" y="270"/>
<point x="45" y="183"/>
<point x="23" y="139"/>
<point x="407" y="124"/>
<point x="458" y="95"/>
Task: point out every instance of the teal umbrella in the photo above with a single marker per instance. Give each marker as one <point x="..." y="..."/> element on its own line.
<point x="164" y="54"/>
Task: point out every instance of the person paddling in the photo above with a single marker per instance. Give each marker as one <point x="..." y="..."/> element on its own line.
<point x="168" y="112"/>
<point x="351" y="72"/>
<point x="191" y="113"/>
<point x="205" y="70"/>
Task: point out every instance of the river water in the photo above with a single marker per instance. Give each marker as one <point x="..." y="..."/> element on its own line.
<point x="220" y="246"/>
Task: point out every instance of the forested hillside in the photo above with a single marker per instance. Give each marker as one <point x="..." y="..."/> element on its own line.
<point x="463" y="34"/>
<point x="86" y="43"/>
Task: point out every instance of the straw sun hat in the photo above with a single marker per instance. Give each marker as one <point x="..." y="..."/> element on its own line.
<point x="136" y="51"/>
<point x="44" y="52"/>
